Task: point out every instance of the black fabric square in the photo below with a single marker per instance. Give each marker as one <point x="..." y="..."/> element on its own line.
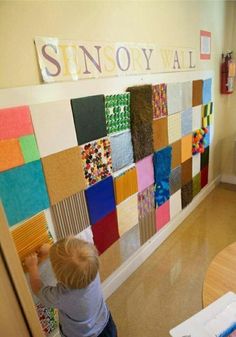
<point x="205" y="158"/>
<point x="89" y="118"/>
<point x="187" y="194"/>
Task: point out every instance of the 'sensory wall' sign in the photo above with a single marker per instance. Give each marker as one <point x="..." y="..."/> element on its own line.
<point x="65" y="60"/>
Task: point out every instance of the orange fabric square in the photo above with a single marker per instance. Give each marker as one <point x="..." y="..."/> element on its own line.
<point x="160" y="133"/>
<point x="10" y="154"/>
<point x="176" y="154"/>
<point x="125" y="185"/>
<point x="31" y="235"/>
<point x="186" y="147"/>
<point x="64" y="174"/>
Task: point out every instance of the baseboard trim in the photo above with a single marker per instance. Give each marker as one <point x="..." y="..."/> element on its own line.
<point x="114" y="281"/>
<point x="228" y="178"/>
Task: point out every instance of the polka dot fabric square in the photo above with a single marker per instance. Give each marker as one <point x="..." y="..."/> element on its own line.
<point x="96" y="160"/>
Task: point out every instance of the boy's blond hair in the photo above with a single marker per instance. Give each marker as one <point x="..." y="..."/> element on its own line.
<point x="75" y="262"/>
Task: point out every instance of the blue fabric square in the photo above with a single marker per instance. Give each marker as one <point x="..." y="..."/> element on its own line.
<point x="162" y="191"/>
<point x="23" y="192"/>
<point x="162" y="163"/>
<point x="207" y="137"/>
<point x="100" y="199"/>
<point x="186" y="121"/>
<point x="206" y="91"/>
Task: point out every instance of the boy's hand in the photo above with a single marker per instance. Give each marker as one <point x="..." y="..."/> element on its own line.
<point x="44" y="250"/>
<point x="31" y="261"/>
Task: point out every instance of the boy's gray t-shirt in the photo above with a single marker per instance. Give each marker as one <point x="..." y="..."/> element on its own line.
<point x="82" y="312"/>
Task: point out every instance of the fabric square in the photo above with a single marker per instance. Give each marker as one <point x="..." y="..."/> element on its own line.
<point x="30" y="235"/>
<point x="186" y="121"/>
<point x="196" y="184"/>
<point x="197" y="92"/>
<point x="175" y="180"/>
<point x="54" y="127"/>
<point x="207" y="109"/>
<point x="159" y="100"/>
<point x="145" y="173"/>
<point x="100" y="199"/>
<point x="205" y="157"/>
<point x="146" y="201"/>
<point x="10" y="154"/>
<point x="162" y="191"/>
<point x="129" y="243"/>
<point x="15" y="122"/>
<point x="196" y="164"/>
<point x="64" y="174"/>
<point x="147" y="226"/>
<point x="186" y="95"/>
<point x="47" y="318"/>
<point x="186" y="147"/>
<point x="174" y="98"/>
<point x="197" y="117"/>
<point x="125" y="185"/>
<point x="204" y="176"/>
<point x="29" y="148"/>
<point x="121" y="150"/>
<point x="141" y="120"/>
<point x="70" y="216"/>
<point x="162" y="215"/>
<point x="162" y="163"/>
<point x="127" y="214"/>
<point x="23" y="192"/>
<point x="160" y="133"/>
<point x="186" y="171"/>
<point x="96" y="160"/>
<point x="207" y="121"/>
<point x="206" y="91"/>
<point x="187" y="194"/>
<point x="105" y="231"/>
<point x="174" y="127"/>
<point x="199" y="141"/>
<point x="86" y="235"/>
<point x="117" y="112"/>
<point x="89" y="118"/>
<point x="176" y="154"/>
<point x="175" y="204"/>
<point x="207" y="138"/>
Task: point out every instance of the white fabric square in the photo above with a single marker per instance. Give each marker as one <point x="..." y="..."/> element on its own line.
<point x="174" y="98"/>
<point x="54" y="127"/>
<point x="86" y="235"/>
<point x="175" y="204"/>
<point x="174" y="127"/>
<point x="197" y="117"/>
<point x="196" y="164"/>
<point x="187" y="95"/>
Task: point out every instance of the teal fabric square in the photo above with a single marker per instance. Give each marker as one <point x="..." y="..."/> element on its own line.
<point x="23" y="192"/>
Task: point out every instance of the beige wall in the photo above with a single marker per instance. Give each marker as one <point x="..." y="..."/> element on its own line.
<point x="167" y="23"/>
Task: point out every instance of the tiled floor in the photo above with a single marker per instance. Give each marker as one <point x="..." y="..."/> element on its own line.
<point x="167" y="288"/>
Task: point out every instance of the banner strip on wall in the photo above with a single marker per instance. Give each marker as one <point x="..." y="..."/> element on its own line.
<point x="66" y="60"/>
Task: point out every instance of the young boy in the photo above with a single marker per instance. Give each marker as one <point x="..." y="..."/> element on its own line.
<point x="78" y="294"/>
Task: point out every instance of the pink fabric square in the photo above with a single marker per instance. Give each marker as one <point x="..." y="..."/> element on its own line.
<point x="15" y="122"/>
<point x="145" y="173"/>
<point x="162" y="215"/>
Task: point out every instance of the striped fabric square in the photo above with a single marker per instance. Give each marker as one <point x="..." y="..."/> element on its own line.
<point x="30" y="235"/>
<point x="70" y="216"/>
<point x="125" y="184"/>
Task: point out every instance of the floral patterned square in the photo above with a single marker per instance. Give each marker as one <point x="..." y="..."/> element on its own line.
<point x="159" y="100"/>
<point x="96" y="160"/>
<point x="117" y="111"/>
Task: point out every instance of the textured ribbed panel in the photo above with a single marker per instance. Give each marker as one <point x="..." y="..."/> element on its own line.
<point x="70" y="215"/>
<point x="30" y="235"/>
<point x="147" y="226"/>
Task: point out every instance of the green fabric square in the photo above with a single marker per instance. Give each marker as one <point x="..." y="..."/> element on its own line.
<point x="29" y="148"/>
<point x="196" y="184"/>
<point x="117" y="112"/>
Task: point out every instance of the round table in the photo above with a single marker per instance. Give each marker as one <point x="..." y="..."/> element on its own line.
<point x="221" y="275"/>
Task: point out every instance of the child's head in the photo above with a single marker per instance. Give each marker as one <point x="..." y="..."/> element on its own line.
<point x="75" y="262"/>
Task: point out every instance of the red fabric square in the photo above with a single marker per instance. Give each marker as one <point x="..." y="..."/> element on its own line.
<point x="204" y="176"/>
<point x="105" y="232"/>
<point x="162" y="215"/>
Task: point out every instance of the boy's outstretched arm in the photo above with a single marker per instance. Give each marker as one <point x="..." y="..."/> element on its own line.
<point x="31" y="262"/>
